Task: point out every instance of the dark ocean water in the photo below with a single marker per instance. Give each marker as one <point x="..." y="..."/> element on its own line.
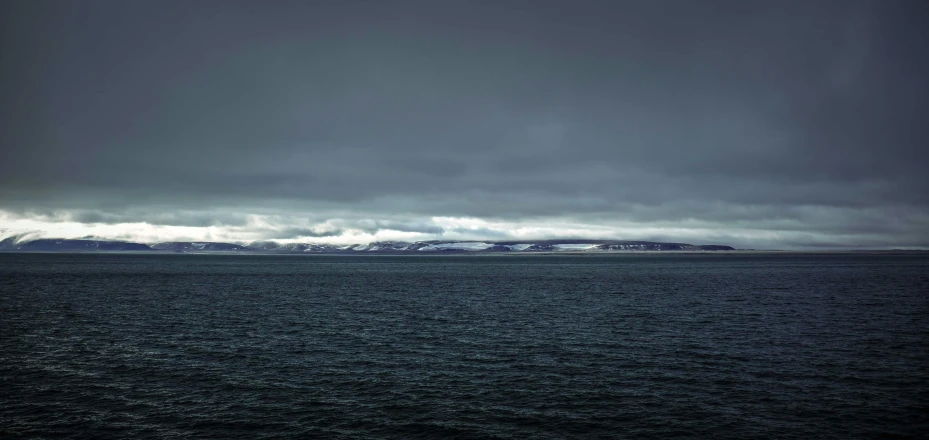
<point x="616" y="346"/>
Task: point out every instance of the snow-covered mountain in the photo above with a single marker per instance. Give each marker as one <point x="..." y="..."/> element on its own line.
<point x="194" y="246"/>
<point x="13" y="244"/>
<point x="273" y="246"/>
<point x="62" y="245"/>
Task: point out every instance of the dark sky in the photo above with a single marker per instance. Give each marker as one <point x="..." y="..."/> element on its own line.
<point x="769" y="124"/>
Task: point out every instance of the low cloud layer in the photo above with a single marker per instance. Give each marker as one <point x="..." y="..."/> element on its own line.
<point x="755" y="124"/>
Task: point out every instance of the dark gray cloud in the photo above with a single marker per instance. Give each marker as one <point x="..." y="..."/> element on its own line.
<point x="734" y="115"/>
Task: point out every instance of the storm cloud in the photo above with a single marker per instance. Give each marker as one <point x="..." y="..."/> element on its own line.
<point x="754" y="123"/>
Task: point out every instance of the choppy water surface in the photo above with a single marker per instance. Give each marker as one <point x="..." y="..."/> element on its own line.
<point x="653" y="346"/>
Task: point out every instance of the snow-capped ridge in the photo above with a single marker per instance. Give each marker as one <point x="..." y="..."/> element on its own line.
<point x="18" y="243"/>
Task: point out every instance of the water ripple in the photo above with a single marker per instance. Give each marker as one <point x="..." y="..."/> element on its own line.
<point x="687" y="346"/>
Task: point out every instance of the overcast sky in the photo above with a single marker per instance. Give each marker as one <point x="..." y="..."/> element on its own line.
<point x="763" y="124"/>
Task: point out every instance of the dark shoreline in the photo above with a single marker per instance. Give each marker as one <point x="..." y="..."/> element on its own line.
<point x="485" y="253"/>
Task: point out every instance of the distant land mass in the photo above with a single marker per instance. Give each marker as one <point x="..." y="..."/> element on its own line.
<point x="17" y="244"/>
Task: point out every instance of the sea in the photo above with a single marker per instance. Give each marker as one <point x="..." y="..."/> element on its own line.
<point x="727" y="345"/>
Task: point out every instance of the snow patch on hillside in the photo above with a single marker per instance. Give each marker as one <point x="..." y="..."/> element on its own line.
<point x="459" y="246"/>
